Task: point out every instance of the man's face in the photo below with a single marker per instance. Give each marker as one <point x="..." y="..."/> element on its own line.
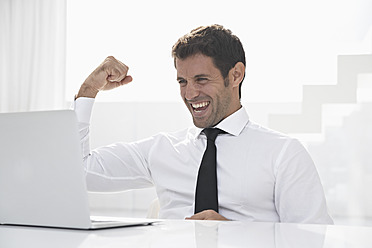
<point x="203" y="90"/>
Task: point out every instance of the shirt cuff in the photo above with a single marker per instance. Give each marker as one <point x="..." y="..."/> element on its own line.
<point x="83" y="107"/>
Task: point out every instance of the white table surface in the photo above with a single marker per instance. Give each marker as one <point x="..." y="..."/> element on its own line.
<point x="184" y="233"/>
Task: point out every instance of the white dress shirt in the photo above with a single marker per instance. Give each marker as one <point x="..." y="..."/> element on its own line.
<point x="262" y="175"/>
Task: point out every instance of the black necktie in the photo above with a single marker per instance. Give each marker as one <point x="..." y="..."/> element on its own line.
<point x="206" y="195"/>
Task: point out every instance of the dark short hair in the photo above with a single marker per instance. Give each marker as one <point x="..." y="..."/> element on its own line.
<point x="214" y="41"/>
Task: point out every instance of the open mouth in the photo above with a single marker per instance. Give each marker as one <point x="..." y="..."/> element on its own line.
<point x="199" y="107"/>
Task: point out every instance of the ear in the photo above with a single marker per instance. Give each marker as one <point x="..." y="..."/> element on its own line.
<point x="237" y="74"/>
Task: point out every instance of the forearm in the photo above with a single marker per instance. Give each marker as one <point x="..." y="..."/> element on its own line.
<point x="87" y="91"/>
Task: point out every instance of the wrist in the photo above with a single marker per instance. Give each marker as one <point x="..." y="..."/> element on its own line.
<point x="87" y="91"/>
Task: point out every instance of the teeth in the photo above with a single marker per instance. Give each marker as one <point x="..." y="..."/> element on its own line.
<point x="199" y="105"/>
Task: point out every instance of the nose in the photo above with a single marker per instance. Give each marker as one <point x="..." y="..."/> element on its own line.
<point x="191" y="91"/>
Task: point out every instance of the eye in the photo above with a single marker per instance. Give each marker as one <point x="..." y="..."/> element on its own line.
<point x="182" y="82"/>
<point x="201" y="79"/>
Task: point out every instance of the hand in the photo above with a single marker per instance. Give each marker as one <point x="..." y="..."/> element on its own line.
<point x="110" y="74"/>
<point x="207" y="215"/>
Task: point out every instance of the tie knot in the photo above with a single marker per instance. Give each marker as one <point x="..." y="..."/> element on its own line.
<point x="212" y="133"/>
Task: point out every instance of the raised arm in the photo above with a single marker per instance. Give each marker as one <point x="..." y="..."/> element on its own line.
<point x="119" y="166"/>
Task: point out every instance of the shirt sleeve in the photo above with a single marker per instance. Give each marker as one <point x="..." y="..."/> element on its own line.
<point x="113" y="168"/>
<point x="299" y="195"/>
<point x="83" y="109"/>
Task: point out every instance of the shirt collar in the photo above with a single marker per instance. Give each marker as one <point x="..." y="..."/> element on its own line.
<point x="233" y="124"/>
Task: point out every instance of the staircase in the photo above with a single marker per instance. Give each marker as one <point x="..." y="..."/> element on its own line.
<point x="316" y="96"/>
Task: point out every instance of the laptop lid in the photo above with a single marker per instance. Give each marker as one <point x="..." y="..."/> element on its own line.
<point x="41" y="174"/>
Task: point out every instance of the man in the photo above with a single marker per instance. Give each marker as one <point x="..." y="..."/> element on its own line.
<point x="260" y="175"/>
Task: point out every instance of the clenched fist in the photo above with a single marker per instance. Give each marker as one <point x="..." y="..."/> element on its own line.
<point x="110" y="74"/>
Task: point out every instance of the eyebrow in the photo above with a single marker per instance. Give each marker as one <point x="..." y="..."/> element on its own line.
<point x="201" y="75"/>
<point x="196" y="76"/>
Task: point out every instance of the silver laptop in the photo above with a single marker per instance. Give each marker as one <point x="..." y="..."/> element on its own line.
<point x="42" y="180"/>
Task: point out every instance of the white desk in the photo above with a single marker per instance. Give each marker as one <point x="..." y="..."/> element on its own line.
<point x="190" y="234"/>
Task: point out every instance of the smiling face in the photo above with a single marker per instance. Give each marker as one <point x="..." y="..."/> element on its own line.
<point x="206" y="94"/>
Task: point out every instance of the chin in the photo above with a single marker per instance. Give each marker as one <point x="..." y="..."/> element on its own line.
<point x="201" y="124"/>
<point x="198" y="124"/>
